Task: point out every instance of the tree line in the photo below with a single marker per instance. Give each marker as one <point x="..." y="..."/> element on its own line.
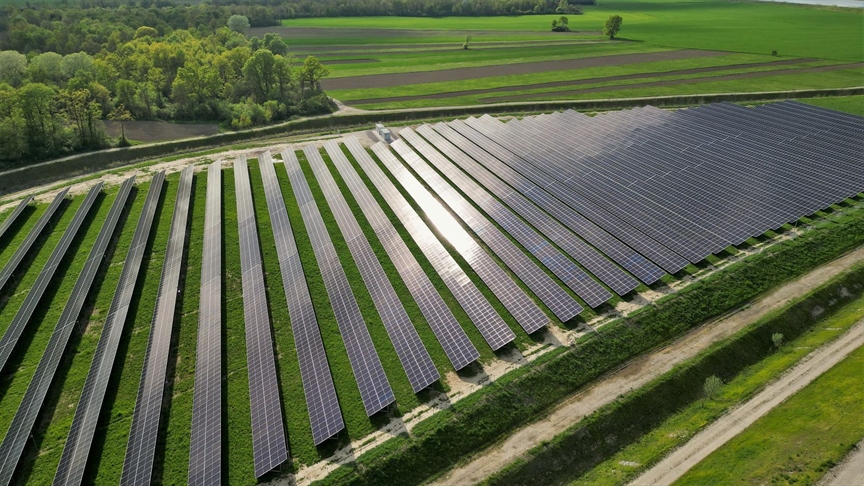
<point x="53" y="104"/>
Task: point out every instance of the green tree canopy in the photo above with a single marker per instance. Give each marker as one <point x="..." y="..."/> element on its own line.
<point x="13" y="67"/>
<point x="613" y="26"/>
<point x="238" y="23"/>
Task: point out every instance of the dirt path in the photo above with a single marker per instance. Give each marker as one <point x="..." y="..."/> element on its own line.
<point x="672" y="82"/>
<point x="553" y="84"/>
<point x="461" y="74"/>
<point x="733" y="423"/>
<point x="848" y="472"/>
<point x="637" y="373"/>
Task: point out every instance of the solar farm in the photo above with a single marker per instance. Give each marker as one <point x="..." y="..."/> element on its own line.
<point x="455" y="246"/>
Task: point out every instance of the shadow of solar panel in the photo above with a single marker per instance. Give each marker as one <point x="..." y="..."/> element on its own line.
<point x="73" y="461"/>
<point x="30" y="239"/>
<point x="546" y="289"/>
<point x="28" y="410"/>
<point x="374" y="388"/>
<point x="321" y="401"/>
<point x="13" y="216"/>
<point x="268" y="430"/>
<point x="412" y="354"/>
<point x="450" y="335"/>
<point x="482" y="314"/>
<point x="205" y="445"/>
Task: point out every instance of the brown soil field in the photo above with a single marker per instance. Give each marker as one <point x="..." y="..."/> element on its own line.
<point x="460" y="74"/>
<point x="160" y="131"/>
<point x="673" y="82"/>
<point x="467" y="92"/>
<point x="349" y="61"/>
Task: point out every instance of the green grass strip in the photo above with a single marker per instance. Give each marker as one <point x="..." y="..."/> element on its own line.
<point x="622" y="439"/>
<point x="798" y="441"/>
<point x="848" y="104"/>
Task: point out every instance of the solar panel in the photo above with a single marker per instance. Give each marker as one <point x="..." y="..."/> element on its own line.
<point x="70" y="471"/>
<point x="374" y="388"/>
<point x="205" y="445"/>
<point x="268" y="430"/>
<point x="141" y="448"/>
<point x="321" y="400"/>
<point x="523" y="309"/>
<point x="9" y="221"/>
<point x="548" y="291"/>
<point x="482" y="314"/>
<point x="487" y="192"/>
<point x="28" y="410"/>
<point x="25" y="312"/>
<point x="30" y="239"/>
<point x="412" y="354"/>
<point x="450" y="335"/>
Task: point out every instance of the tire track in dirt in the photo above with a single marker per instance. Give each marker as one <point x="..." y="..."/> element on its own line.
<point x="673" y="82"/>
<point x="553" y="84"/>
<point x="636" y="374"/>
<point x="461" y="74"/>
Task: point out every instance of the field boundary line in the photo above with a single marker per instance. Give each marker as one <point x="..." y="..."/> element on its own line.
<point x="727" y="427"/>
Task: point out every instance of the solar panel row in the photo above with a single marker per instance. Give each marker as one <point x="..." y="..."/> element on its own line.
<point x="523" y="309"/>
<point x="268" y="429"/>
<point x="409" y="348"/>
<point x="322" y="403"/>
<point x="141" y="447"/>
<point x="374" y="388"/>
<point x="34" y="295"/>
<point x="30" y="239"/>
<point x="450" y="335"/>
<point x="492" y="194"/>
<point x="13" y="216"/>
<point x="28" y="410"/>
<point x="550" y="293"/>
<point x="479" y="310"/>
<point x="73" y="461"/>
<point x="205" y="445"/>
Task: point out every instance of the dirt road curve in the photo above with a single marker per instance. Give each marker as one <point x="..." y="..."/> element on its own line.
<point x="733" y="423"/>
<point x="461" y="74"/>
<point x="850" y="471"/>
<point x="636" y="374"/>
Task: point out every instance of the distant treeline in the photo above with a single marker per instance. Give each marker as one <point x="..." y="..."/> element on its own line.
<point x="89" y="24"/>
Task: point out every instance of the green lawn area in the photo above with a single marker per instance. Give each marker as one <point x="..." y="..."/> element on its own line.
<point x="797" y="442"/>
<point x="849" y="104"/>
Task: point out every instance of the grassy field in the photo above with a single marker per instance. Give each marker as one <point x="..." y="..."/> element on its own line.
<point x="798" y="441"/>
<point x="848" y="104"/>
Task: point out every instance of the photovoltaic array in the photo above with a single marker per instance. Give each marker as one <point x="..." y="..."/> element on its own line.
<point x="539" y="217"/>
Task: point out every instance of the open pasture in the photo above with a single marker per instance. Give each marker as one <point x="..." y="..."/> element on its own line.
<point x="433" y="47"/>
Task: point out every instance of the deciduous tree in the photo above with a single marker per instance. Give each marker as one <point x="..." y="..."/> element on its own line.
<point x="613" y="26"/>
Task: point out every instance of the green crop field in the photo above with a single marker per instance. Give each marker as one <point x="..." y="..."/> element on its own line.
<point x="744" y="32"/>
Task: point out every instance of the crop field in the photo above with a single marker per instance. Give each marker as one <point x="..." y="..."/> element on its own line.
<point x="508" y="57"/>
<point x="560" y="278"/>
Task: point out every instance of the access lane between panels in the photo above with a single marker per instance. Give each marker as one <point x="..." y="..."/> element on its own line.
<point x="73" y="461"/>
<point x="269" y="447"/>
<point x="205" y="444"/>
<point x="458" y="348"/>
<point x="494" y="330"/>
<point x="523" y="309"/>
<point x="412" y="354"/>
<point x="321" y="401"/>
<point x="28" y="410"/>
<point x="547" y="290"/>
<point x="13" y="216"/>
<point x="369" y="374"/>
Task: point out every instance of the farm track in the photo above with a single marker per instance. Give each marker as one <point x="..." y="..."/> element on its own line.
<point x="637" y="373"/>
<point x="461" y="74"/>
<point x="672" y="82"/>
<point x="737" y="420"/>
<point x="469" y="92"/>
<point x="451" y="47"/>
<point x="295" y="33"/>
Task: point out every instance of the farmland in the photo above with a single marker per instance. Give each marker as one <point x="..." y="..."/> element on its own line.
<point x="738" y="36"/>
